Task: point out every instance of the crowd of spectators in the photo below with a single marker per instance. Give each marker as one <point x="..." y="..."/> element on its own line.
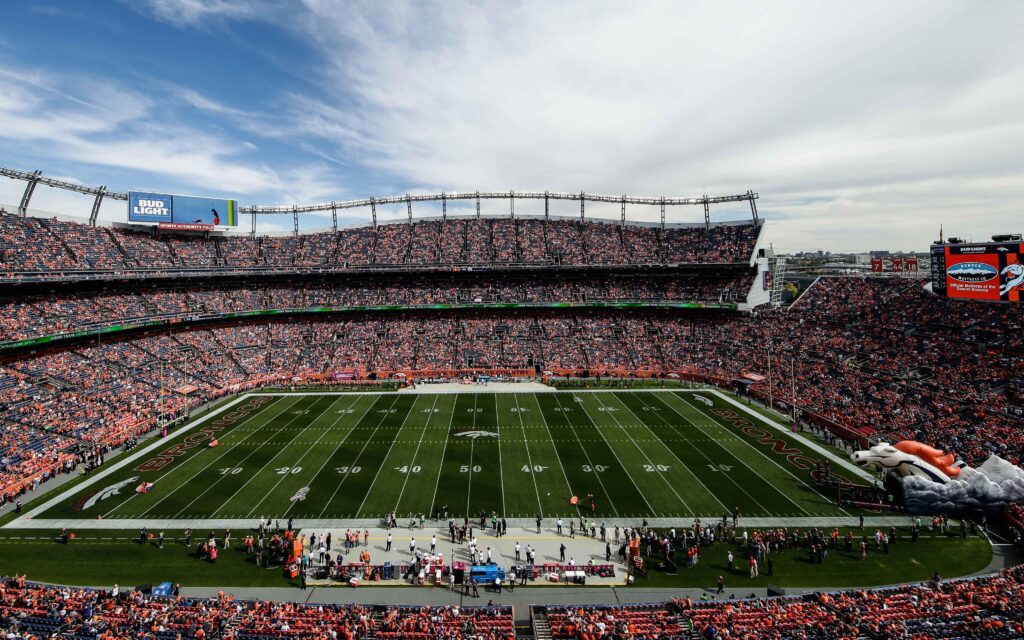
<point x="988" y="607"/>
<point x="35" y="244"/>
<point x="30" y="610"/>
<point x="26" y="316"/>
<point x="879" y="356"/>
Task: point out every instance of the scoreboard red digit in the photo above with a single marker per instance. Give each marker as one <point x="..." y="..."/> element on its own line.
<point x="979" y="271"/>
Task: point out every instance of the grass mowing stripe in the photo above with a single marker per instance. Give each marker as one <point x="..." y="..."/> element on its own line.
<point x="453" y="485"/>
<point x="184" y="463"/>
<point x="561" y="410"/>
<point x="339" y="464"/>
<point x="351" y="428"/>
<point x="719" y="426"/>
<point x="472" y="446"/>
<point x="489" y="494"/>
<point x="385" y="415"/>
<point x="755" y="482"/>
<point x="688" y="450"/>
<point x="580" y="470"/>
<point x="426" y="425"/>
<point x="684" y="450"/>
<point x="560" y="498"/>
<point x="806" y="484"/>
<point x="410" y="469"/>
<point x="661" y="474"/>
<point x="440" y="466"/>
<point x="516" y="494"/>
<point x="198" y="458"/>
<point x="501" y="471"/>
<point x="644" y="472"/>
<point x="269" y="493"/>
<point x="581" y="401"/>
<point x="220" y="479"/>
<point x="376" y="454"/>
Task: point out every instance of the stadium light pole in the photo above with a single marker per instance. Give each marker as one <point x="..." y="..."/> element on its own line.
<point x="792" y="374"/>
<point x="334" y="216"/>
<point x="477" y="205"/>
<point x="30" y="187"/>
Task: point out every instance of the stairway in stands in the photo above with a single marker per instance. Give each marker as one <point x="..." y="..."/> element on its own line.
<point x="541" y="628"/>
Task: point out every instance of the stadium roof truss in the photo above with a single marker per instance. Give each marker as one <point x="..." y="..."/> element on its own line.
<point x="36" y="177"/>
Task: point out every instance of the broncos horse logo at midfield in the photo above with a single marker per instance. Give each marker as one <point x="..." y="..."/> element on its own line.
<point x="908" y="458"/>
<point x="1014" y="278"/>
<point x="477" y="434"/>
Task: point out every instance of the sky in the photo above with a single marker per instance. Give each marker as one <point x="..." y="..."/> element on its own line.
<point x="862" y="125"/>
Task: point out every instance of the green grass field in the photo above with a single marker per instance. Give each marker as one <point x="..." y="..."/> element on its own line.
<point x="362" y="455"/>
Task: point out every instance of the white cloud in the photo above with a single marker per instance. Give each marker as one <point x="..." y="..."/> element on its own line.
<point x="862" y="125"/>
<point x="859" y="123"/>
<point x="195" y="12"/>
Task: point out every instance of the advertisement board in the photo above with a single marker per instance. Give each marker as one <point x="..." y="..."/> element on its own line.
<point x="192" y="210"/>
<point x="989" y="271"/>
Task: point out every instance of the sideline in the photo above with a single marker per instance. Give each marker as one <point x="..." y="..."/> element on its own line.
<point x="846" y="464"/>
<point x="21" y="522"/>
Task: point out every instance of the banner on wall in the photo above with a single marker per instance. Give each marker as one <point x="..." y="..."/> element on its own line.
<point x="169" y="209"/>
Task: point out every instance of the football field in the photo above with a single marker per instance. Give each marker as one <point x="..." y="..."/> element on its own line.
<point x="346" y="456"/>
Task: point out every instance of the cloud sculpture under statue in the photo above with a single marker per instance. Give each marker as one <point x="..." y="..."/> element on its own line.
<point x="934" y="483"/>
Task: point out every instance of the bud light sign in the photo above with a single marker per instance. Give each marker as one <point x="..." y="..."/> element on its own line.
<point x="160" y="207"/>
<point x="149" y="207"/>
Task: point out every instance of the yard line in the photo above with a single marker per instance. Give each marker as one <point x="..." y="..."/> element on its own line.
<point x="405" y="483"/>
<point x="365" y="444"/>
<point x="744" y="441"/>
<point x="304" y="454"/>
<point x="696" y="448"/>
<point x="642" y="450"/>
<point x="501" y="472"/>
<point x="591" y="463"/>
<point x="247" y="456"/>
<point x="440" y="470"/>
<point x="529" y="458"/>
<point x="313" y="478"/>
<point x="386" y="455"/>
<point x="472" y="443"/>
<point x="223" y="453"/>
<point x="551" y="439"/>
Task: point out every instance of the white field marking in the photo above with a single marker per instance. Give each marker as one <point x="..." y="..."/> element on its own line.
<point x="551" y="439"/>
<point x="327" y="461"/>
<point x="472" y="444"/>
<point x="810" y="445"/>
<point x="641" y="450"/>
<point x="447" y="436"/>
<point x="388" y="454"/>
<point x="846" y="464"/>
<point x="591" y="463"/>
<point x="365" y="443"/>
<point x="501" y="472"/>
<point x="529" y="458"/>
<point x="247" y="456"/>
<point x="744" y="441"/>
<point x="309" y="448"/>
<point x="123" y="462"/>
<point x="696" y="448"/>
<point x="415" y="453"/>
<point x="223" y="453"/>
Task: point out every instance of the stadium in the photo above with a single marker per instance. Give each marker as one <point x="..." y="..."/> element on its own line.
<point x="287" y="353"/>
<point x="635" y="386"/>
